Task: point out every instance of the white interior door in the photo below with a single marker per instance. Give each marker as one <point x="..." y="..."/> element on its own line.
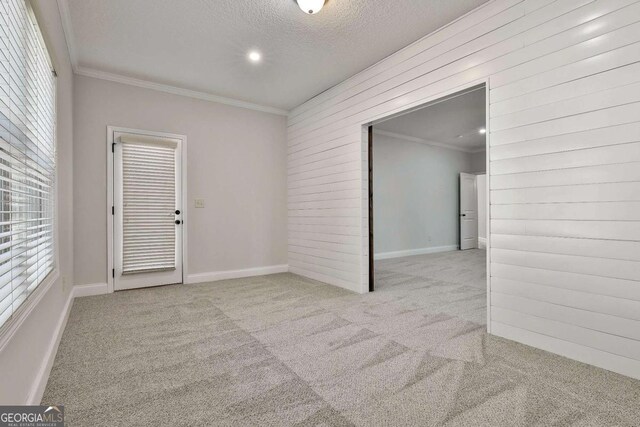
<point x="147" y="211"/>
<point x="468" y="212"/>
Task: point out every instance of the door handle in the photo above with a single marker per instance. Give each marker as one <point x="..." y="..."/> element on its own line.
<point x="178" y="222"/>
<point x="463" y="214"/>
<point x="177" y="211"/>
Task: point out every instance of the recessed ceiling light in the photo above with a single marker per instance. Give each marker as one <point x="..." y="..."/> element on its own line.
<point x="311" y="6"/>
<point x="482" y="131"/>
<point x="254" y="56"/>
<point x="460" y="136"/>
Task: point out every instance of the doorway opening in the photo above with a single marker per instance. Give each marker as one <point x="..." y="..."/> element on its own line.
<point x="428" y="204"/>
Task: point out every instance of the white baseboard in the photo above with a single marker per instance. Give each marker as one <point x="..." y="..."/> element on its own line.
<point x="482" y="242"/>
<point x="40" y="383"/>
<point x="602" y="359"/>
<point x="37" y="389"/>
<point x="333" y="281"/>
<point x="90" y="290"/>
<point x="410" y="252"/>
<point x="236" y="274"/>
<point x="78" y="291"/>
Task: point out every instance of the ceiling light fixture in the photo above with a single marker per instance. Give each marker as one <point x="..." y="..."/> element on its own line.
<point x="254" y="56"/>
<point x="482" y="131"/>
<point x="310" y="6"/>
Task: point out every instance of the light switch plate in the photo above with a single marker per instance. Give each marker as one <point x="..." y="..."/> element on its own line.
<point x="199" y="203"/>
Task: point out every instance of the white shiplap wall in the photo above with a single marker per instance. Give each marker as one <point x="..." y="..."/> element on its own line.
<point x="564" y="79"/>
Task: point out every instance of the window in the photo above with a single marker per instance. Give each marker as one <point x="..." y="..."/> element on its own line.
<point x="27" y="157"/>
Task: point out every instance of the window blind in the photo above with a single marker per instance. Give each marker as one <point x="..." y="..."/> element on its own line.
<point x="149" y="204"/>
<point x="27" y="157"/>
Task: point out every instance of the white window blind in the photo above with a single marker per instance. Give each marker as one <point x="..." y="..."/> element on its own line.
<point x="149" y="204"/>
<point x="27" y="157"/>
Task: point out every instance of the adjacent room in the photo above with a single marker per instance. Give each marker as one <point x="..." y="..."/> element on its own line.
<point x="429" y="204"/>
<point x="320" y="213"/>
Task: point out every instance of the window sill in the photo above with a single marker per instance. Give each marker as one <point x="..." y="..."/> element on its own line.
<point x="8" y="330"/>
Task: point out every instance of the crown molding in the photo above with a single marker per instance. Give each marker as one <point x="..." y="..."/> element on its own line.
<point x="175" y="90"/>
<point x="479" y="150"/>
<point x="65" y="17"/>
<point x="424" y="141"/>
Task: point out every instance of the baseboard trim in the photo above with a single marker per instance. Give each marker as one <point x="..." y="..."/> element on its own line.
<point x="590" y="356"/>
<point x="328" y="280"/>
<point x="411" y="252"/>
<point x="39" y="385"/>
<point x="236" y="274"/>
<point x="91" y="289"/>
<point x="482" y="242"/>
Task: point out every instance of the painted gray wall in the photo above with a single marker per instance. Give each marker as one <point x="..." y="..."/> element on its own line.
<point x="479" y="162"/>
<point x="415" y="189"/>
<point x="236" y="162"/>
<point x="24" y="356"/>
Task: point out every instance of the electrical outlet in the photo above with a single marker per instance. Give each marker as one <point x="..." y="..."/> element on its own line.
<point x="199" y="203"/>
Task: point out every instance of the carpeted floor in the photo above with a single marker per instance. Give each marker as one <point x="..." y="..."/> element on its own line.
<point x="460" y="278"/>
<point x="283" y="350"/>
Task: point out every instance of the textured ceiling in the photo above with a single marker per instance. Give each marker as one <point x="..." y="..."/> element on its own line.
<point x="445" y="122"/>
<point x="202" y="44"/>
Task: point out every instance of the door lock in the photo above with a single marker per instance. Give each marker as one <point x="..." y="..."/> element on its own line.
<point x="178" y="222"/>
<point x="177" y="211"/>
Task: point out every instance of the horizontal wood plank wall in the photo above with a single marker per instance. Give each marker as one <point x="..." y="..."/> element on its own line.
<point x="564" y="129"/>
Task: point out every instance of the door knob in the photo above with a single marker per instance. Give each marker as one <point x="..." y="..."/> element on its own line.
<point x="463" y="214"/>
<point x="177" y="211"/>
<point x="178" y="222"/>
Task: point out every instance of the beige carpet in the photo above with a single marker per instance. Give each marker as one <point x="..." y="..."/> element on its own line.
<point x="454" y="283"/>
<point x="283" y="350"/>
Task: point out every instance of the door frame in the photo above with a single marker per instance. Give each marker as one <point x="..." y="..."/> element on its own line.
<point x="370" y="236"/>
<point x="367" y="149"/>
<point x="110" y="177"/>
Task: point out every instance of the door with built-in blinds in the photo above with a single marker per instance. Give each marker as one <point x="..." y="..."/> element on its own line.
<point x="147" y="211"/>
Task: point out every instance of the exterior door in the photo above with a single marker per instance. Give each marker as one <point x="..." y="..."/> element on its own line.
<point x="468" y="212"/>
<point x="147" y="211"/>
